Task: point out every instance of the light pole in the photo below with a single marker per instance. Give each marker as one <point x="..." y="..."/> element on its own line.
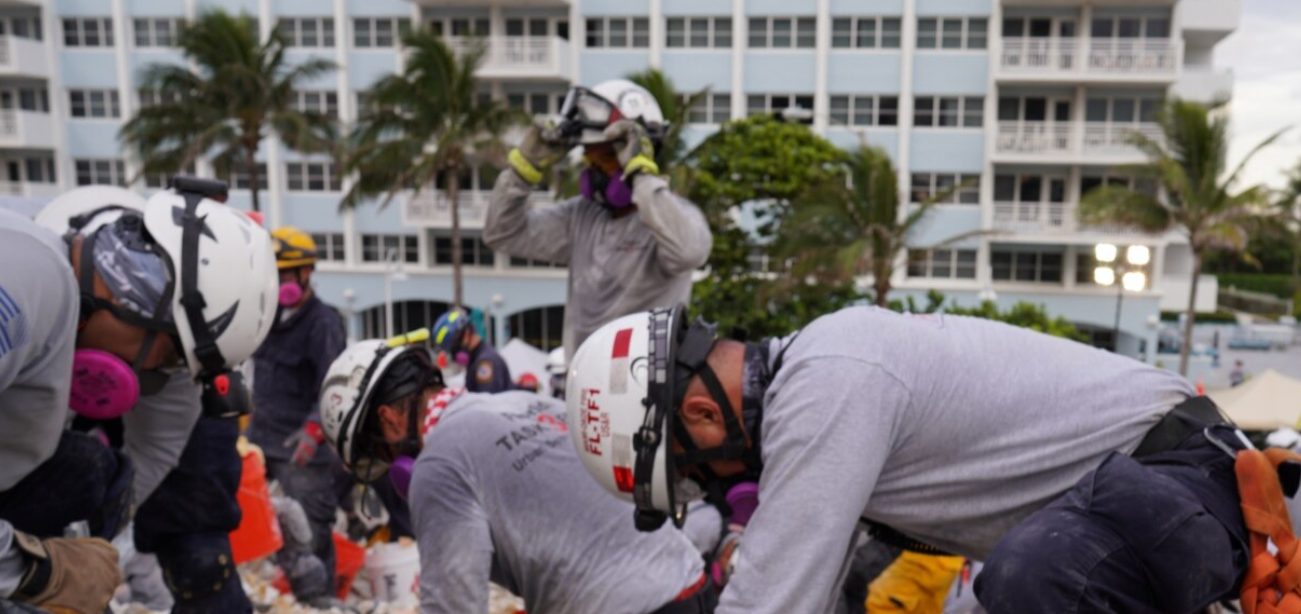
<point x="1129" y="273"/>
<point x="350" y="299"/>
<point x="392" y="272"/>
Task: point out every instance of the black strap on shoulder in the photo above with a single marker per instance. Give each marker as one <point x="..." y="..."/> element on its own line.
<point x="205" y="346"/>
<point x="892" y="537"/>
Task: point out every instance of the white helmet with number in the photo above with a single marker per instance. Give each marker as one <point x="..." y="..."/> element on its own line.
<point x="597" y="108"/>
<point x="350" y="391"/>
<point x="622" y="393"/>
<point x="223" y="294"/>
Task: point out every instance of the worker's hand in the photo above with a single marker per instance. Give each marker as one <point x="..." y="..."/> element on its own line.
<point x="725" y="559"/>
<point x="69" y="576"/>
<point x="541" y="149"/>
<point x="305" y="442"/>
<point x="633" y="147"/>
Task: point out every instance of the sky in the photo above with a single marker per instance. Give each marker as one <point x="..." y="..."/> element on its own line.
<point x="1265" y="56"/>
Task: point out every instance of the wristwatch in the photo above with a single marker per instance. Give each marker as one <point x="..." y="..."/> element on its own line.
<point x="37" y="577"/>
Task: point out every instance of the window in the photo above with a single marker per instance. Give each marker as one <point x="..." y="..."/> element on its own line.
<point x="474" y="252"/>
<point x="1130" y="27"/>
<point x="698" y="32"/>
<point x="94" y="103"/>
<point x="151" y="97"/>
<point x="240" y="180"/>
<point x="161" y="180"/>
<point x="313" y="177"/>
<point x="1122" y="109"/>
<point x="536" y="103"/>
<point x="529" y="263"/>
<point x="460" y="26"/>
<point x="1143" y="186"/>
<point x="102" y="171"/>
<point x="783" y="32"/>
<point x="1029" y="188"/>
<point x="532" y="27"/>
<point x="375" y="32"/>
<point x="952" y="33"/>
<point x="710" y="109"/>
<point x="25" y="27"/>
<point x="864" y="110"/>
<point x="948" y="111"/>
<point x="40" y="170"/>
<point x="865" y="32"/>
<point x="28" y="99"/>
<point x="376" y="248"/>
<point x="157" y="31"/>
<point x="766" y="104"/>
<point x="541" y="327"/>
<point x="307" y="31"/>
<point x="88" y="32"/>
<point x="325" y="102"/>
<point x="618" y="32"/>
<point x="1085" y="264"/>
<point x="942" y="263"/>
<point x="1027" y="266"/>
<point x="329" y="246"/>
<point x="964" y="189"/>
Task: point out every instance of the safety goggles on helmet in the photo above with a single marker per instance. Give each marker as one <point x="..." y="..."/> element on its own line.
<point x="584" y="110"/>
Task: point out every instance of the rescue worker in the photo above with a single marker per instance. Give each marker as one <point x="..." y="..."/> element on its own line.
<point x="288" y="369"/>
<point x="631" y="243"/>
<point x="1087" y="481"/>
<point x="178" y="291"/>
<point x="457" y="338"/>
<point x="497" y="493"/>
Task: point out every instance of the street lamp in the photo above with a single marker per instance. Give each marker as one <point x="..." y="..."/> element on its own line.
<point x="393" y="271"/>
<point x="1129" y="272"/>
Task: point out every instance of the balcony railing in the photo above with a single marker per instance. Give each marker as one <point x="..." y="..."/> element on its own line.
<point x="1140" y="57"/>
<point x="1048" y="219"/>
<point x="1067" y="138"/>
<point x="517" y="55"/>
<point x="434" y="208"/>
<point x="23" y="57"/>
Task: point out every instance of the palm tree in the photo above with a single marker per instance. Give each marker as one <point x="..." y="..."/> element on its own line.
<point x="841" y="230"/>
<point x="428" y="121"/>
<point x="1189" y="162"/>
<point x="1289" y="209"/>
<point x="240" y="88"/>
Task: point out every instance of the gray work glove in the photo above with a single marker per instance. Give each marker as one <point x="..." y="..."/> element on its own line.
<point x="540" y="150"/>
<point x="68" y="576"/>
<point x="633" y="147"/>
<point x="304" y="443"/>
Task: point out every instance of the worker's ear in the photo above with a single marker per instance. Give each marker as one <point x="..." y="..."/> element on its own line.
<point x="392" y="423"/>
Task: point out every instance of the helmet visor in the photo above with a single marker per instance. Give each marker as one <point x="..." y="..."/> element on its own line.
<point x="584" y="109"/>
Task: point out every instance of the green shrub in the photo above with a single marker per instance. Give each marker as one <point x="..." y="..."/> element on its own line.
<point x="1219" y="317"/>
<point x="1278" y="285"/>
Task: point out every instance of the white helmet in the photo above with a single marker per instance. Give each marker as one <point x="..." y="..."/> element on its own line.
<point x="350" y="391"/>
<point x="625" y="384"/>
<point x="556" y="361"/>
<point x="221" y="264"/>
<point x="594" y="109"/>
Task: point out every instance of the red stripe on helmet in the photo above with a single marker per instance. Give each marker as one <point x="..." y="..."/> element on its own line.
<point x="622" y="342"/>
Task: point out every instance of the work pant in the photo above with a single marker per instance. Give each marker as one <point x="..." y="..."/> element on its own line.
<point x="84" y="481"/>
<point x="317" y="487"/>
<point x="702" y="602"/>
<point x="187" y="522"/>
<point x="1159" y="535"/>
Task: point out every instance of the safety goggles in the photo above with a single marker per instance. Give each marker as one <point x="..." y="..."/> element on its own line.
<point x="584" y="109"/>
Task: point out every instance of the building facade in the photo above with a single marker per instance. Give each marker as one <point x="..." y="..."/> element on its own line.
<point x="1024" y="104"/>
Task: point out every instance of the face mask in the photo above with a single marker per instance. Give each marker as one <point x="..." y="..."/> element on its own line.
<point x="743" y="498"/>
<point x="612" y="192"/>
<point x="103" y="386"/>
<point x="290" y="293"/>
<point x="399" y="473"/>
<point x="462" y="358"/>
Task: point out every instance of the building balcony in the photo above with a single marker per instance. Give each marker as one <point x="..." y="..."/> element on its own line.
<point x="433" y="209"/>
<point x="1204" y="84"/>
<point x="1072" y="60"/>
<point x="519" y="58"/>
<point x="26" y="129"/>
<point x="1070" y="142"/>
<point x="1039" y="219"/>
<point x="1206" y="22"/>
<point x="29" y="189"/>
<point x="23" y="57"/>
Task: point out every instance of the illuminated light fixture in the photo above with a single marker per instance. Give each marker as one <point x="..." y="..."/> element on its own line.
<point x="1134" y="281"/>
<point x="1104" y="276"/>
<point x="1138" y="255"/>
<point x="1105" y="252"/>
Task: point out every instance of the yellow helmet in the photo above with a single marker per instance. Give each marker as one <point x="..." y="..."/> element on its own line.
<point x="294" y="248"/>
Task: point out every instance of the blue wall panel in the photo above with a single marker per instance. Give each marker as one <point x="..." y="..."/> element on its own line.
<point x="370" y="218"/>
<point x="851" y="139"/>
<point x="954" y="151"/>
<point x="954" y="7"/>
<point x="863" y="73"/>
<point x="593" y="8"/>
<point x="156" y="8"/>
<point x="780" y="72"/>
<point x="87" y="69"/>
<point x="950" y="73"/>
<point x="598" y="66"/>
<point x="366" y="67"/>
<point x="302" y="8"/>
<point x="139" y="61"/>
<point x="88" y="8"/>
<point x="95" y="138"/>
<point x="372" y="8"/>
<point x="312" y="212"/>
<point x="946" y="222"/>
<point x="233" y="7"/>
<point x="873" y="7"/>
<point x="692" y="71"/>
<point x="697" y="7"/>
<point x="328" y="80"/>
<point x="781" y="7"/>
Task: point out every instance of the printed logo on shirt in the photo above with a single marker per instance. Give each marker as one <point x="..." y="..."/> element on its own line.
<point x="483" y="373"/>
<point x="14" y="330"/>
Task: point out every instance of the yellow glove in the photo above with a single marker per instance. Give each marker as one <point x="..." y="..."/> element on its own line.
<point x="633" y="147"/>
<point x="541" y="149"/>
<point x="914" y="584"/>
<point x="68" y="576"/>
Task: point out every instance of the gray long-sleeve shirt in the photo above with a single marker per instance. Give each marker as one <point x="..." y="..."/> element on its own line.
<point x="38" y="325"/>
<point x="949" y="429"/>
<point x="498" y="493"/>
<point x="617" y="266"/>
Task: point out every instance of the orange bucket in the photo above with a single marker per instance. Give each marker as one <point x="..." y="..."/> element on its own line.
<point x="349" y="558"/>
<point x="258" y="534"/>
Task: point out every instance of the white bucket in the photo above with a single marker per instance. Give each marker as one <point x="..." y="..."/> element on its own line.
<point x="394" y="572"/>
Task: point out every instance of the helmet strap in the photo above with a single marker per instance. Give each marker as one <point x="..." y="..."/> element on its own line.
<point x="211" y="362"/>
